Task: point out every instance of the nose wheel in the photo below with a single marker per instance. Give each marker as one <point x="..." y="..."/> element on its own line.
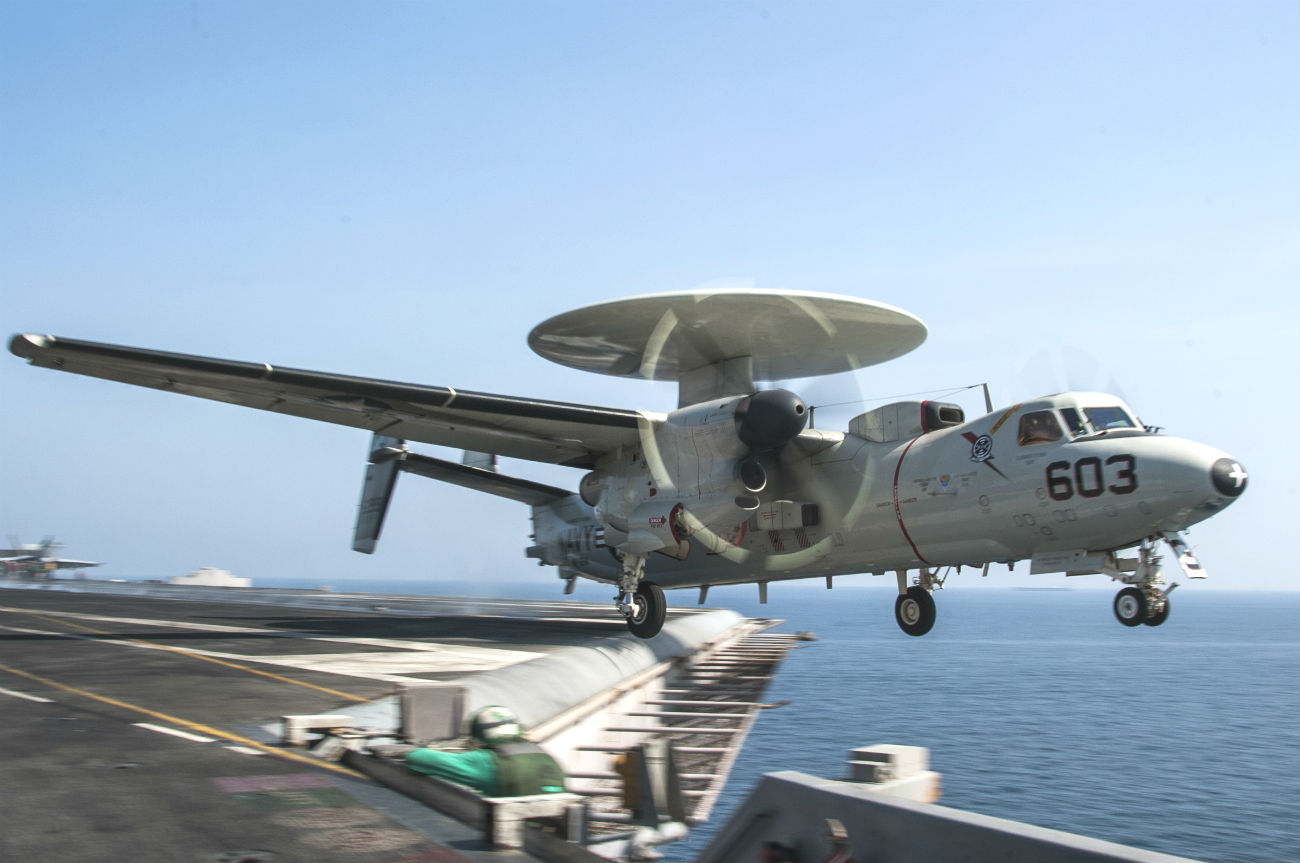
<point x="1155" y="618"/>
<point x="1130" y="606"/>
<point x="1135" y="607"/>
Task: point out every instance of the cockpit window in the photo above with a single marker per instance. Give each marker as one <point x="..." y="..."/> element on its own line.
<point x="1074" y="422"/>
<point x="1039" y="427"/>
<point x="1109" y="418"/>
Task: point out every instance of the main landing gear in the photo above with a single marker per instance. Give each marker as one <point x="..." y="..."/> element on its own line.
<point x="914" y="610"/>
<point x="1145" y="601"/>
<point x="641" y="602"/>
<point x="648" y="611"/>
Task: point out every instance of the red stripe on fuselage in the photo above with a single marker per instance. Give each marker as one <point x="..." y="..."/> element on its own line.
<point x="898" y="510"/>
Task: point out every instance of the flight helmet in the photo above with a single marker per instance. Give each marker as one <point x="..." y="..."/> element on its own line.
<point x="494" y="725"/>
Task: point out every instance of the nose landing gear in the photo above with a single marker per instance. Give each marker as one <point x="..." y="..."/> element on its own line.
<point x="1131" y="606"/>
<point x="1145" y="601"/>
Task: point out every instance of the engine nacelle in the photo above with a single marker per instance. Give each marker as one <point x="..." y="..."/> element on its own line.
<point x="712" y="448"/>
<point x="653" y="527"/>
<point x="752" y="475"/>
<point x="708" y="458"/>
<point x="770" y="419"/>
<point x="592" y="486"/>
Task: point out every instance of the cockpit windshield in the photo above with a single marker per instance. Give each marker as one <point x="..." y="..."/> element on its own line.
<point x="1096" y="419"/>
<point x="1074" y="421"/>
<point x="1109" y="418"/>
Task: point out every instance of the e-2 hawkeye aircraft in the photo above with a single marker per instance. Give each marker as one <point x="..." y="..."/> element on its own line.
<point x="734" y="486"/>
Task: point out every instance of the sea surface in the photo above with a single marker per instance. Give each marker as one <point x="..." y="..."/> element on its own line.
<point x="1036" y="705"/>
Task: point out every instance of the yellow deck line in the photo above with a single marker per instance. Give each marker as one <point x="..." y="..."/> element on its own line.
<point x="346" y="695"/>
<point x="184" y="723"/>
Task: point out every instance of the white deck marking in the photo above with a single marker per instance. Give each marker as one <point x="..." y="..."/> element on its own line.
<point x="390" y="643"/>
<point x="245" y="750"/>
<point x="430" y="659"/>
<point x="175" y="732"/>
<point x="102" y="618"/>
<point x="24" y="695"/>
<point x="397" y="667"/>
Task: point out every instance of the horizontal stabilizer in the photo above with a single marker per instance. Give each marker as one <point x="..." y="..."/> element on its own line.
<point x="481" y="479"/>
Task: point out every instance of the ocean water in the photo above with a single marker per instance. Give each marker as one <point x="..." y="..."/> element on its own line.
<point x="1037" y="706"/>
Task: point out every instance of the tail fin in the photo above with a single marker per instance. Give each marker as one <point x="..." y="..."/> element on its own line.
<point x="481" y="460"/>
<point x="386" y="457"/>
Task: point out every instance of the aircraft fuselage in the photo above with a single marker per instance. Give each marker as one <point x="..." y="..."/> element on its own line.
<point x="983" y="491"/>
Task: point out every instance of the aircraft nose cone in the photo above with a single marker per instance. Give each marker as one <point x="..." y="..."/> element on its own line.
<point x="1229" y="477"/>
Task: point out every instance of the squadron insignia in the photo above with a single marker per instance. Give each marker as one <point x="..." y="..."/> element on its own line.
<point x="981" y="450"/>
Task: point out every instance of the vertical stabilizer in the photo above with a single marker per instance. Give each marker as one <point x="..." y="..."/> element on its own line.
<point x="386" y="456"/>
<point x="481" y="460"/>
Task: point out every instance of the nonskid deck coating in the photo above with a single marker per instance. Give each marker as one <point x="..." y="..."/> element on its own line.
<point x="135" y="725"/>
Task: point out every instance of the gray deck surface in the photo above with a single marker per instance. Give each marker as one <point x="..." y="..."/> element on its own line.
<point x="87" y="680"/>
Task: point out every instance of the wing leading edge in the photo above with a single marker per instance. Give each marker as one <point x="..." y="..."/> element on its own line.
<point x="545" y="431"/>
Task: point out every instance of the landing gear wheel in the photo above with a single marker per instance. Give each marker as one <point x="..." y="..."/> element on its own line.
<point x="1160" y="616"/>
<point x="648" y="611"/>
<point x="1131" y="606"/>
<point x="914" y="611"/>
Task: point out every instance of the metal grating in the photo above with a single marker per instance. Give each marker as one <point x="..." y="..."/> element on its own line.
<point x="706" y="709"/>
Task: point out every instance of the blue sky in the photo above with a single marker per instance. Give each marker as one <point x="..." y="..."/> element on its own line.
<point x="1100" y="195"/>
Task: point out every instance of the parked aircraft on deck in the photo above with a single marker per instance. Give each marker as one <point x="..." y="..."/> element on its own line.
<point x="734" y="486"/>
<point x="36" y="560"/>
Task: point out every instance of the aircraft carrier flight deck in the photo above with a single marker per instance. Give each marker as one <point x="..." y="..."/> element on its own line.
<point x="138" y="727"/>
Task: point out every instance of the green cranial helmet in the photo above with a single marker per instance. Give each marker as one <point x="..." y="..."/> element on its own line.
<point x="493" y="725"/>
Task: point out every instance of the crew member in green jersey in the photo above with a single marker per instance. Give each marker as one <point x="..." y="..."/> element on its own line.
<point x="505" y="765"/>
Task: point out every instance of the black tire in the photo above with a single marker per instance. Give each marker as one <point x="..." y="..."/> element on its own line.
<point x="1130" y="606"/>
<point x="1160" y="616"/>
<point x="915" y="611"/>
<point x="648" y="611"/>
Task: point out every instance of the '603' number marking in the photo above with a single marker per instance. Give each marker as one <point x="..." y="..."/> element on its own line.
<point x="1087" y="477"/>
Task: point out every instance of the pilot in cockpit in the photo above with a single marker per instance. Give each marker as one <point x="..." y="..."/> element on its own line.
<point x="1039" y="427"/>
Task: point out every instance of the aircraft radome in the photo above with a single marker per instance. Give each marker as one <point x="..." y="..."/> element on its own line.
<point x="734" y="486"/>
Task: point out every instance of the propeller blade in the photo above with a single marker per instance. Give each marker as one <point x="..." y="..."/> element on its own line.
<point x="1067" y="368"/>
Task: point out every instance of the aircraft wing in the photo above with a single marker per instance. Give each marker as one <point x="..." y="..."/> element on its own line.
<point x="544" y="431"/>
<point x="60" y="563"/>
<point x="47" y="562"/>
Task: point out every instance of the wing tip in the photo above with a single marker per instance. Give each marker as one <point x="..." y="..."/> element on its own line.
<point x="28" y="345"/>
